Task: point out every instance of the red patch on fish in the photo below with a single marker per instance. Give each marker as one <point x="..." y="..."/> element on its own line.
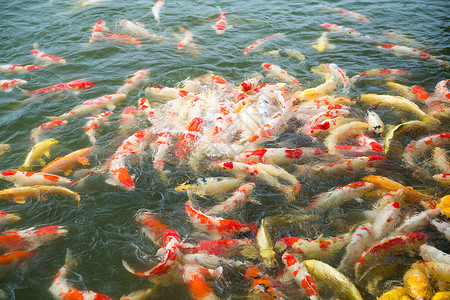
<point x="53" y="178"/>
<point x="294" y="153"/>
<point x="9" y="173"/>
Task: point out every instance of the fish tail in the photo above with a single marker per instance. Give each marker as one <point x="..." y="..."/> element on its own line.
<point x="70" y="262"/>
<point x="35" y="45"/>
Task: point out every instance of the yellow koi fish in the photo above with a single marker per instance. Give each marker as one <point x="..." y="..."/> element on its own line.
<point x="34" y="157"/>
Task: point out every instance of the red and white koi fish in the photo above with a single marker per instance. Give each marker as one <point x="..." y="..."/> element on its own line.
<point x="331" y="113"/>
<point x="388" y="74"/>
<point x="162" y="145"/>
<point x="194" y="276"/>
<point x="389" y="246"/>
<point x="249" y="85"/>
<point x="441" y="90"/>
<point x="386" y="220"/>
<point x="396" y="49"/>
<point x="361" y="239"/>
<point x="366" y="146"/>
<point x="8" y="218"/>
<point x="262" y="285"/>
<point x="340" y="75"/>
<point x="187" y="38"/>
<point x="120" y="39"/>
<point x="417" y="148"/>
<point x="92" y="106"/>
<point x="156" y="8"/>
<point x="443" y="227"/>
<point x="21" y="178"/>
<point x="296" y="269"/>
<point x="430" y="253"/>
<point x="280" y="73"/>
<point x="258" y="43"/>
<point x="144" y="106"/>
<point x="419" y="92"/>
<point x="188" y="138"/>
<point x="416" y="222"/>
<point x="210" y="186"/>
<point x="237" y="200"/>
<point x="75" y="86"/>
<point x="151" y="226"/>
<point x="353" y="15"/>
<point x="282" y="156"/>
<point x="322" y="248"/>
<point x="19" y="68"/>
<point x="221" y="23"/>
<point x="218" y="227"/>
<point x="170" y="258"/>
<point x="132" y="83"/>
<point x="440" y="160"/>
<point x="128" y="119"/>
<point x="166" y="92"/>
<point x="46" y="58"/>
<point x="30" y="238"/>
<point x="98" y="30"/>
<point x="63" y="290"/>
<point x="10" y="261"/>
<point x="38" y="132"/>
<point x="340" y="195"/>
<point x="8" y="85"/>
<point x="116" y="166"/>
<point x="322" y="43"/>
<point x="93" y="123"/>
<point x="344" y="30"/>
<point x="223" y="247"/>
<point x="442" y="178"/>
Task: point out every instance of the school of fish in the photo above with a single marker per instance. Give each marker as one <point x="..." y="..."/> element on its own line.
<point x="237" y="141"/>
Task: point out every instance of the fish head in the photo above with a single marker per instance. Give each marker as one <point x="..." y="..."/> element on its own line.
<point x="51" y="232"/>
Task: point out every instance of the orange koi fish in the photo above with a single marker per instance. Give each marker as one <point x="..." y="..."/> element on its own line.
<point x="30" y="238"/>
<point x="66" y="163"/>
<point x="10" y="261"/>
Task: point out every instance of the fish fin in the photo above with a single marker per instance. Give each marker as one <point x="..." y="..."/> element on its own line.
<point x="110" y="107"/>
<point x="127" y="267"/>
<point x="20" y="199"/>
<point x="53" y="118"/>
<point x="255" y="201"/>
<point x="8" y="90"/>
<point x="110" y="181"/>
<point x="84" y="161"/>
<point x="67" y="172"/>
<point x="35" y="45"/>
<point x="24" y="91"/>
<point x="70" y="262"/>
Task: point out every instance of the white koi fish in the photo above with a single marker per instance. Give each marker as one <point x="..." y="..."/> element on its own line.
<point x="413" y="53"/>
<point x="361" y="239"/>
<point x="430" y="253"/>
<point x="386" y="220"/>
<point x="38" y="132"/>
<point x="344" y="30"/>
<point x="238" y="199"/>
<point x="416" y="222"/>
<point x="443" y="227"/>
<point x="162" y="145"/>
<point x="134" y="81"/>
<point x="46" y="58"/>
<point x="137" y="29"/>
<point x="8" y="85"/>
<point x="376" y="125"/>
<point x="322" y="43"/>
<point x="21" y="178"/>
<point x="92" y="106"/>
<point x="286" y="53"/>
<point x="156" y="8"/>
<point x="93" y="123"/>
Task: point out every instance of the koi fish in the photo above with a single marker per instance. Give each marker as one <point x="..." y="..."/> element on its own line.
<point x="93" y="105"/>
<point x="412" y="52"/>
<point x="211" y="261"/>
<point x="344" y="30"/>
<point x="353" y="15"/>
<point x="249" y="85"/>
<point x="10" y="261"/>
<point x="283" y="156"/>
<point x="132" y="83"/>
<point x="165" y="92"/>
<point x="444" y="205"/>
<point x="443" y="227"/>
<point x="417" y="283"/>
<point x="286" y="53"/>
<point x="386" y="220"/>
<point x="326" y="275"/>
<point x="397" y="293"/>
<point x="441" y="90"/>
<point x="214" y="225"/>
<point x="265" y="245"/>
<point x="46" y="58"/>
<point x="210" y="186"/>
<point x="376" y="125"/>
<point x="20" y="178"/>
<point x="339" y="196"/>
<point x="62" y="289"/>
<point x="237" y="200"/>
<point x="280" y="73"/>
<point x="22" y="194"/>
<point x="162" y="145"/>
<point x="389" y="246"/>
<point x="20" y="68"/>
<point x="156" y="8"/>
<point x="170" y="258"/>
<point x="388" y="74"/>
<point x="310" y="249"/>
<point x="137" y="29"/>
<point x="262" y="285"/>
<point x="120" y="39"/>
<point x="30" y="238"/>
<point x="321" y="90"/>
<point x="97" y="30"/>
<point x="144" y="107"/>
<point x="187" y="38"/>
<point x="416" y="222"/>
<point x="344" y="132"/>
<point x="322" y="43"/>
<point x="153" y="228"/>
<point x="223" y="247"/>
<point x="66" y="163"/>
<point x="361" y="239"/>
<point x="119" y="175"/>
<point x="430" y="253"/>
<point x="34" y="157"/>
<point x="75" y="86"/>
<point x="258" y="43"/>
<point x="221" y="24"/>
<point x="8" y="218"/>
<point x="296" y="269"/>
<point x="8" y="85"/>
<point x="339" y="74"/>
<point x="442" y="178"/>
<point x="38" y="132"/>
<point x="93" y="123"/>
<point x="194" y="277"/>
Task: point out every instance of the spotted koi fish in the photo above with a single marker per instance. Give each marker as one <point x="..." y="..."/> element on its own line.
<point x="162" y="145"/>
<point x="344" y="30"/>
<point x="151" y="226"/>
<point x="75" y="86"/>
<point x="441" y="90"/>
<point x="38" y="132"/>
<point x="170" y="258"/>
<point x="19" y="68"/>
<point x="187" y="38"/>
<point x="20" y="178"/>
<point x="46" y="58"/>
<point x="221" y="24"/>
<point x="262" y="285"/>
<point x="283" y="156"/>
<point x="413" y="53"/>
<point x="389" y="74"/>
<point x="296" y="269"/>
<point x="156" y="8"/>
<point x="237" y="200"/>
<point x="134" y="81"/>
<point x="144" y="107"/>
<point x="280" y="73"/>
<point x="98" y="30"/>
<point x="223" y="247"/>
<point x="188" y="138"/>
<point x="93" y="123"/>
<point x="8" y="85"/>
<point x="361" y="239"/>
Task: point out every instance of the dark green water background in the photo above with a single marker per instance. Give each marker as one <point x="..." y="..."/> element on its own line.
<point x="102" y="229"/>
